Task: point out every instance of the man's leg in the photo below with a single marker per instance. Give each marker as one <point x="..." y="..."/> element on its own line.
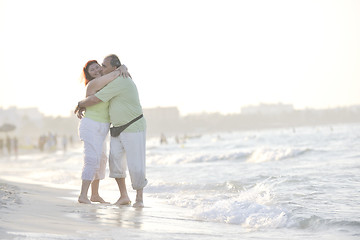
<point x="124" y="198"/>
<point x="139" y="199"/>
<point x="134" y="144"/>
<point x="118" y="166"/>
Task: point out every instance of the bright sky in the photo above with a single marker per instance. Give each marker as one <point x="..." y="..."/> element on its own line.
<point x="198" y="55"/>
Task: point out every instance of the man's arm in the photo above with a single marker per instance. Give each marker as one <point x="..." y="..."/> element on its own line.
<point x="98" y="83"/>
<point x="89" y="101"/>
<point x="104" y="95"/>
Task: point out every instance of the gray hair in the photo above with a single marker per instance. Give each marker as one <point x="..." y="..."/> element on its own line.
<point x="114" y="60"/>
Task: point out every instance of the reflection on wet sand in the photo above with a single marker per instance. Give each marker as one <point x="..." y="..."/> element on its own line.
<point x="109" y="215"/>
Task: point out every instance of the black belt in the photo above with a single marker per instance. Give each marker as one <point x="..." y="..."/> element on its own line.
<point x="115" y="131"/>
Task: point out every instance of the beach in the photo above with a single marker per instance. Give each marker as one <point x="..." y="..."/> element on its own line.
<point x="30" y="211"/>
<point x="271" y="184"/>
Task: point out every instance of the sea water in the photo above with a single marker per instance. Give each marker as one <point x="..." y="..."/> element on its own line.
<point x="286" y="183"/>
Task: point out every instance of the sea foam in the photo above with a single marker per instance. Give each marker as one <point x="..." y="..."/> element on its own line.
<point x="253" y="208"/>
<point x="265" y="154"/>
<point x="229" y="202"/>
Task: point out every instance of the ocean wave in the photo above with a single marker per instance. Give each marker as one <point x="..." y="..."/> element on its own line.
<point x="269" y="154"/>
<point x="312" y="222"/>
<point x="251" y="208"/>
<point x="218" y="157"/>
<point x="248" y="214"/>
<point x="315" y="222"/>
<point x="158" y="187"/>
<point x="228" y="202"/>
<point x="197" y="157"/>
<point x="256" y="156"/>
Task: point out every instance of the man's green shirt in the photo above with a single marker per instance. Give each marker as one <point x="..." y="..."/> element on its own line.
<point x="124" y="103"/>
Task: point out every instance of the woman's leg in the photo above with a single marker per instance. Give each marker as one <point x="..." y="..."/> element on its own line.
<point x="95" y="197"/>
<point x="93" y="143"/>
<point x="99" y="175"/>
<point x="88" y="172"/>
<point x="83" y="198"/>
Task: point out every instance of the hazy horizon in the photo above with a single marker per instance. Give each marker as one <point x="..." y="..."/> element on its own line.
<point x="70" y="113"/>
<point x="200" y="56"/>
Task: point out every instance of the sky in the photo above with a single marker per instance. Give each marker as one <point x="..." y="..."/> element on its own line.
<point x="201" y="56"/>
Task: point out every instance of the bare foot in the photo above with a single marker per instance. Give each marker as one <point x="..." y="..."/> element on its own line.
<point x="97" y="199"/>
<point x="138" y="204"/>
<point x="123" y="201"/>
<point x="84" y="200"/>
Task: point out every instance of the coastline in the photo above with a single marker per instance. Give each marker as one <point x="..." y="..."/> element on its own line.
<point x="30" y="210"/>
<point x="301" y="186"/>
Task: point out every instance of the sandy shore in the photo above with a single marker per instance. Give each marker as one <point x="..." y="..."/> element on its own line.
<point x="33" y="210"/>
<point x="29" y="211"/>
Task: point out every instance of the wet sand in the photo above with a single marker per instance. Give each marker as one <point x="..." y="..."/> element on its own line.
<point x="30" y="211"/>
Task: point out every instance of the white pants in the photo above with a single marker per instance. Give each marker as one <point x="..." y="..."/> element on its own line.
<point x="128" y="150"/>
<point x="93" y="134"/>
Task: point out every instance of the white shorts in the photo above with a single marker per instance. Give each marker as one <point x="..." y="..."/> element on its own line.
<point x="128" y="150"/>
<point x="93" y="134"/>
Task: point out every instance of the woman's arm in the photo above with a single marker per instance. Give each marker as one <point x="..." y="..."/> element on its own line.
<point x="98" y="83"/>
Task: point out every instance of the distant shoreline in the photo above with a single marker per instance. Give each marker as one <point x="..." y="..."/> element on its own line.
<point x="168" y="121"/>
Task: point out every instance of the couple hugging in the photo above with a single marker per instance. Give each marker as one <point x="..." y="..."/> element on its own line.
<point x="111" y="97"/>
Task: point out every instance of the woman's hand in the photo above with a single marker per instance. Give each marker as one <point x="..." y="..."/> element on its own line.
<point x="123" y="70"/>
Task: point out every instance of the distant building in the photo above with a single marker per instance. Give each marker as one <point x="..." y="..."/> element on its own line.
<point x="355" y="108"/>
<point x="162" y="114"/>
<point x="20" y="116"/>
<point x="162" y="120"/>
<point x="267" y="109"/>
